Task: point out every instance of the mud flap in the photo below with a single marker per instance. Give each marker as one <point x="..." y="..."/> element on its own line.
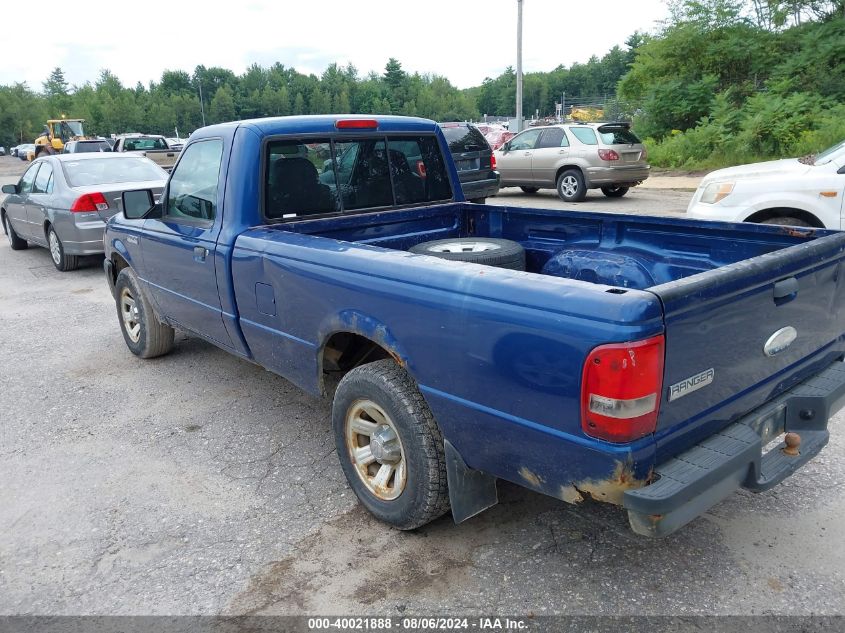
<point x="470" y="491"/>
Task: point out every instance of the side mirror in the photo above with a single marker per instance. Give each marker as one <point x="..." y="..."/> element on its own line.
<point x="11" y="189"/>
<point x="506" y="147"/>
<point x="137" y="204"/>
<point x="841" y="170"/>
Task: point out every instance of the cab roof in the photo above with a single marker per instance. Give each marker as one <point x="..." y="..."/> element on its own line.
<point x="320" y="124"/>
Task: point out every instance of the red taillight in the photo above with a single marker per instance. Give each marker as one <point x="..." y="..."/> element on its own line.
<point x="90" y="202"/>
<point x="492" y="161"/>
<point x="356" y="124"/>
<point x="621" y="389"/>
<point x="608" y="154"/>
<point x="421" y="169"/>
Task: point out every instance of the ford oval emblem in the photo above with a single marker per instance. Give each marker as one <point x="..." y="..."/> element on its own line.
<point x="780" y="340"/>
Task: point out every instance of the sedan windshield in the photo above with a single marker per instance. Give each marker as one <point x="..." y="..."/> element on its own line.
<point x="102" y="171"/>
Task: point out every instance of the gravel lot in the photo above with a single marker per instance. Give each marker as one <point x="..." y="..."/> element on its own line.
<point x="200" y="484"/>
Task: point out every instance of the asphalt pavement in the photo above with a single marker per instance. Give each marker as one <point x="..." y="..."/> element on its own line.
<point x="198" y="483"/>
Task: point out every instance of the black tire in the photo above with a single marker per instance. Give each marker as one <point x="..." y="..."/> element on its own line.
<point x="424" y="495"/>
<point x="571" y="186"/>
<point x="499" y="253"/>
<point x="530" y="189"/>
<point x="478" y="200"/>
<point x="615" y="191"/>
<point x="152" y="337"/>
<point x="61" y="260"/>
<point x="787" y="220"/>
<point x="16" y="243"/>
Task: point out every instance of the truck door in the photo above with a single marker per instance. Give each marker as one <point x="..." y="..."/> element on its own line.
<point x="179" y="248"/>
<point x="551" y="150"/>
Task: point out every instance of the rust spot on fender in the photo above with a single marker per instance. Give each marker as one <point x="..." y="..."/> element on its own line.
<point x="612" y="489"/>
<point x="570" y="494"/>
<point x="532" y="479"/>
<point x="399" y="360"/>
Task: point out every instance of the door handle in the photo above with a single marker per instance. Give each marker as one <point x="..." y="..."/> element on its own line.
<point x="200" y="253"/>
<point x="561" y="151"/>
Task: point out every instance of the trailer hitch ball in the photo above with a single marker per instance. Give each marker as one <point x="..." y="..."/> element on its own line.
<point x="793" y="443"/>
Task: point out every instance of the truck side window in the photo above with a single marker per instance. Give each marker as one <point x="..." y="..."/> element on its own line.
<point x="192" y="194"/>
<point x="300" y="179"/>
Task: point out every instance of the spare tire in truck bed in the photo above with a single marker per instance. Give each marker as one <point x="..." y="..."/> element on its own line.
<point x="477" y="250"/>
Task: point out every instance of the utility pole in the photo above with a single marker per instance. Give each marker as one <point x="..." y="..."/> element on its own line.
<point x="519" y="66"/>
<point x="202" y="107"/>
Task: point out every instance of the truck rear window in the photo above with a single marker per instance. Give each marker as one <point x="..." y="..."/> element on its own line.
<point x="144" y="144"/>
<point x="323" y="176"/>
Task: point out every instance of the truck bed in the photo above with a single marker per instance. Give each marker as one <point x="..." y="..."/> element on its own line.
<point x="498" y="355"/>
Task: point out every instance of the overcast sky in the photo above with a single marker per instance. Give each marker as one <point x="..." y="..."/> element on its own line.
<point x="464" y="40"/>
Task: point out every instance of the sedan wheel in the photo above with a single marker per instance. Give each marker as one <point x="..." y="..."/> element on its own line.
<point x="61" y="260"/>
<point x="15" y="242"/>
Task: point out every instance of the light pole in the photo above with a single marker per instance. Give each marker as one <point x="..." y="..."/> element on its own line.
<point x="202" y="107"/>
<point x="519" y="66"/>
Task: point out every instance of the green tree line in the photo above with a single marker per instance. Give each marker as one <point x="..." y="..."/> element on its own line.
<point x="719" y="82"/>
<point x="174" y="101"/>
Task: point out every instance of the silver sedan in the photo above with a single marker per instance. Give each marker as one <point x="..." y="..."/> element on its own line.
<point x="63" y="202"/>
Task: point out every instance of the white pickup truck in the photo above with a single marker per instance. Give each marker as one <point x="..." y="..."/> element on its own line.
<point x="804" y="191"/>
<point x="153" y="146"/>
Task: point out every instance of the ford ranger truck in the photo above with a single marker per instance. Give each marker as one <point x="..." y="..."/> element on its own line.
<point x="654" y="363"/>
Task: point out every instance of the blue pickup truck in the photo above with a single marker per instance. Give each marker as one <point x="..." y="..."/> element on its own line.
<point x="658" y="364"/>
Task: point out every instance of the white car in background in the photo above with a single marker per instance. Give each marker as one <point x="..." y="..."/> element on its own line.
<point x="805" y="191"/>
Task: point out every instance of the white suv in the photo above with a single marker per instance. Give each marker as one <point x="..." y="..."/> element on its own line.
<point x="794" y="192"/>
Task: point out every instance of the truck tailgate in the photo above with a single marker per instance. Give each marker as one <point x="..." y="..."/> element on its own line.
<point x="739" y="335"/>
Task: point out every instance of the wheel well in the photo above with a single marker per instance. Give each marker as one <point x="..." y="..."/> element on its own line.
<point x="345" y="351"/>
<point x="2" y="218"/>
<point x="118" y="264"/>
<point x="566" y="168"/>
<point x="46" y="227"/>
<point x="785" y="212"/>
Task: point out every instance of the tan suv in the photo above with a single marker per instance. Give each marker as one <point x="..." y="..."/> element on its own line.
<point x="574" y="157"/>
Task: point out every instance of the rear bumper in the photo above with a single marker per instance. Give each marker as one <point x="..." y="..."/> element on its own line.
<point x="692" y="482"/>
<point x="619" y="175"/>
<point x="481" y="188"/>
